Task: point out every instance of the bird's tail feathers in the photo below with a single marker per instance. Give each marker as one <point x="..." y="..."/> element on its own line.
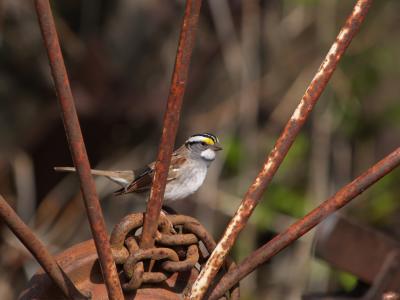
<point x="123" y="178"/>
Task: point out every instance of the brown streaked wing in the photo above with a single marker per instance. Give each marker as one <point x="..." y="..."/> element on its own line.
<point x="143" y="181"/>
<point x="140" y="184"/>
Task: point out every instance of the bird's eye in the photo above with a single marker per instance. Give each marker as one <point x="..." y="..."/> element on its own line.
<point x="203" y="144"/>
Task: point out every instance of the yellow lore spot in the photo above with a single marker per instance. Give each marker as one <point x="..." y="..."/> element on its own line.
<point x="208" y="141"/>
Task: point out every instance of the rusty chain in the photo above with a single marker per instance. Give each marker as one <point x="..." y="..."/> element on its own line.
<point x="181" y="244"/>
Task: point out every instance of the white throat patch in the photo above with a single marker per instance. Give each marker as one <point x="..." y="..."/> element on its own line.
<point x="208" y="154"/>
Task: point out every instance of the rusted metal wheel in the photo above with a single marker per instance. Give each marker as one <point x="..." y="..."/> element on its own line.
<point x="80" y="263"/>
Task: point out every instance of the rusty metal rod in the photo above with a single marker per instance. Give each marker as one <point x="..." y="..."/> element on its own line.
<point x="302" y="226"/>
<point x="77" y="148"/>
<point x="171" y="120"/>
<point x="38" y="250"/>
<point x="282" y="146"/>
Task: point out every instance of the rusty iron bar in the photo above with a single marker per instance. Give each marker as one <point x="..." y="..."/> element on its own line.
<point x="77" y="148"/>
<point x="171" y="121"/>
<point x="302" y="226"/>
<point x="282" y="146"/>
<point x="39" y="251"/>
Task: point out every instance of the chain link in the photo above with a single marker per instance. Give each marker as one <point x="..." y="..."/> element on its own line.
<point x="178" y="249"/>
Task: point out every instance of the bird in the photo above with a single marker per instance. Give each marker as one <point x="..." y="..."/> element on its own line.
<point x="187" y="171"/>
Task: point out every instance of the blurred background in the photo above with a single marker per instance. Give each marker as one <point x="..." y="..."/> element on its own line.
<point x="252" y="62"/>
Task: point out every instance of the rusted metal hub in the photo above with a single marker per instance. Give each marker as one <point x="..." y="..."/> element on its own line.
<point x="166" y="271"/>
<point x="81" y="265"/>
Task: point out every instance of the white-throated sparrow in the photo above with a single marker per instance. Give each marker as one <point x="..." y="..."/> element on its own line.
<point x="187" y="171"/>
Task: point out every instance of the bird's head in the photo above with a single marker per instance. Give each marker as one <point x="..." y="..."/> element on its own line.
<point x="204" y="144"/>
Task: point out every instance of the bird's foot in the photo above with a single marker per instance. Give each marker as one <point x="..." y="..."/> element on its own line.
<point x="166" y="225"/>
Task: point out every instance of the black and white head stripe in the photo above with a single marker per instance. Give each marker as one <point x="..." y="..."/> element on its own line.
<point x="207" y="138"/>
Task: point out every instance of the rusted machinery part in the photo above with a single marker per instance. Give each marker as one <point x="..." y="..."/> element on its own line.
<point x="166" y="271"/>
<point x="81" y="265"/>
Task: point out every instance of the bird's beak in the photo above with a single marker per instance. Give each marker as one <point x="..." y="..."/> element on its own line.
<point x="216" y="147"/>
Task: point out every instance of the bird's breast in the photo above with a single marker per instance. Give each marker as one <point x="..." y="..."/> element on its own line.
<point x="188" y="182"/>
